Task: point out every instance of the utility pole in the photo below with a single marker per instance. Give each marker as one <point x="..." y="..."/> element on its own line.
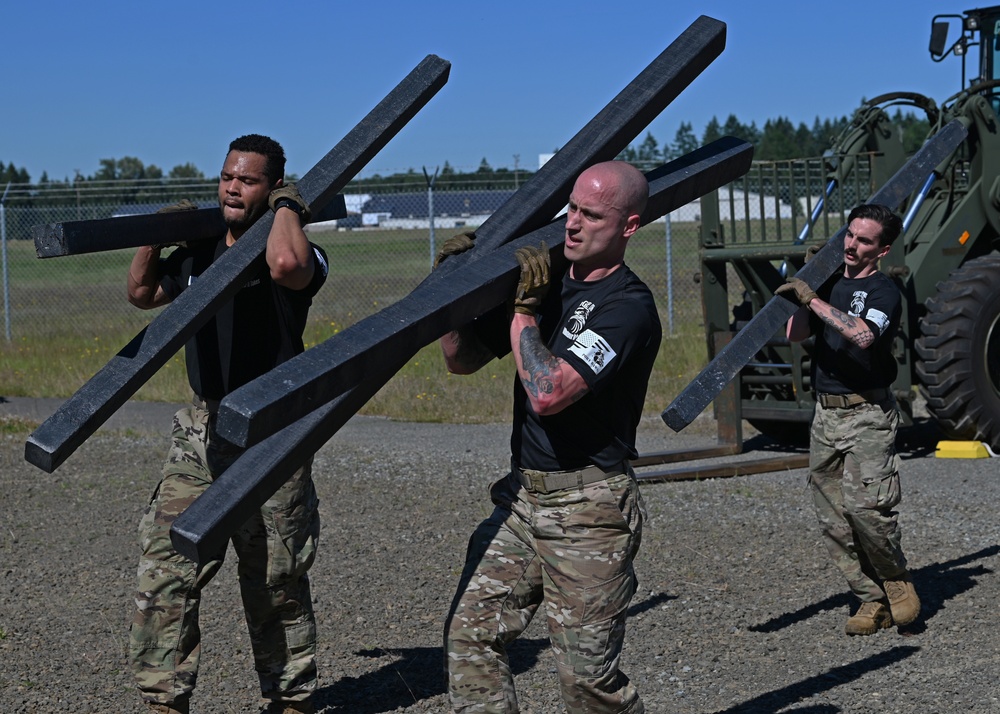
<point x="6" y="274"/>
<point x="517" y="160"/>
<point x="430" y="206"/>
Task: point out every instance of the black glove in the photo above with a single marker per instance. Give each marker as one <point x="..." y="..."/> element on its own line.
<point x="290" y="192"/>
<point x="455" y="245"/>
<point x="534" y="282"/>
<point x="803" y="293"/>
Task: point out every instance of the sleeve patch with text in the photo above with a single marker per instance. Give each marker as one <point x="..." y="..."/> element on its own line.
<point x="593" y="349"/>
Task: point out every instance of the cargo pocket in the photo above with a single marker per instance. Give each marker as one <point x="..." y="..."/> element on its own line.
<point x="602" y="626"/>
<point x="294" y="535"/>
<point x="882" y="493"/>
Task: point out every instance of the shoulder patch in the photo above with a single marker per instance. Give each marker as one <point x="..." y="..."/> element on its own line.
<point x="879" y="318"/>
<point x="593" y="349"/>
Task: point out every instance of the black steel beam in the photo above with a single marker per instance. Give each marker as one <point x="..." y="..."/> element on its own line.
<point x="301" y="385"/>
<point x="772" y="317"/>
<point x="49" y="445"/>
<point x="78" y="237"/>
<point x="206" y="525"/>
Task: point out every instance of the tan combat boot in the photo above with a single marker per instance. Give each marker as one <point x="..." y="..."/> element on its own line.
<point x="903" y="600"/>
<point x="869" y="619"/>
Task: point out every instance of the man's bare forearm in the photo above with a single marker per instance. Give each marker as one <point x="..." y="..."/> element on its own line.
<point x="853" y="328"/>
<point x="544" y="375"/>
<point x="538" y="363"/>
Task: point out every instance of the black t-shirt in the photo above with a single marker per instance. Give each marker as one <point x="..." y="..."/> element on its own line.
<point x="609" y="331"/>
<point x="840" y="366"/>
<point x="257" y="330"/>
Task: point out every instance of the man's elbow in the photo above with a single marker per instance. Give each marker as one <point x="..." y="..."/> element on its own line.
<point x="291" y="273"/>
<point x="456" y="366"/>
<point x="547" y="404"/>
<point x="142" y="299"/>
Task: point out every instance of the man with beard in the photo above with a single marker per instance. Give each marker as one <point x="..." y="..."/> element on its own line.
<point x="258" y="329"/>
<point x="853" y="465"/>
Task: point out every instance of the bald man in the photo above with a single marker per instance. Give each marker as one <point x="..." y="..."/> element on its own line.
<point x="568" y="517"/>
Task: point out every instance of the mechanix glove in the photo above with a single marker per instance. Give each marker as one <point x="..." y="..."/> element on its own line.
<point x="182" y="205"/>
<point x="455" y="245"/>
<point x="288" y="195"/>
<point x="534" y="282"/>
<point x="803" y="293"/>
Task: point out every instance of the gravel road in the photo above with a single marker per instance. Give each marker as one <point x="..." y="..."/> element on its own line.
<point x="739" y="609"/>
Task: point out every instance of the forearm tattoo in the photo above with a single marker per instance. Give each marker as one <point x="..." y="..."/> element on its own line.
<point x="538" y="362"/>
<point x="851" y="327"/>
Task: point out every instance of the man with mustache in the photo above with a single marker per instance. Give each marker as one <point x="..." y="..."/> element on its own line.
<point x="853" y="465"/>
<point x="258" y="329"/>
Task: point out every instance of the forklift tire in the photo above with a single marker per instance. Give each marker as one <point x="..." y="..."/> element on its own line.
<point x="958" y="352"/>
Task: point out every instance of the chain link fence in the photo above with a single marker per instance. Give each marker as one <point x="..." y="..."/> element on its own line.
<point x="378" y="254"/>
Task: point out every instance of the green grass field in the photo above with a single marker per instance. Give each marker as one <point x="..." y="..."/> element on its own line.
<point x="70" y="315"/>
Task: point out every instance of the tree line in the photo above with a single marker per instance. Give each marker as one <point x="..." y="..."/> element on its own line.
<point x="128" y="180"/>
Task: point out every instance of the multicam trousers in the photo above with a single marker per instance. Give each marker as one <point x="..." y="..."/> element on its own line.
<point x="571" y="550"/>
<point x="275" y="548"/>
<point x="854" y="479"/>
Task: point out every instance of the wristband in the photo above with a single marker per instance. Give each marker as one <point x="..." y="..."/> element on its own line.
<point x="288" y="203"/>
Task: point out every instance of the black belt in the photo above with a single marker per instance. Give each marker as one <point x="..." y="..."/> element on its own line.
<point x="549" y="481"/>
<point x="845" y="401"/>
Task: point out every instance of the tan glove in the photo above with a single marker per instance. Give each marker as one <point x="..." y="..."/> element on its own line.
<point x="455" y="245"/>
<point x="812" y="250"/>
<point x="290" y="192"/>
<point x="534" y="282"/>
<point x="182" y="205"/>
<point x="803" y="293"/>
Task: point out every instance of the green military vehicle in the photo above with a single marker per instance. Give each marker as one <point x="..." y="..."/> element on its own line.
<point x="755" y="232"/>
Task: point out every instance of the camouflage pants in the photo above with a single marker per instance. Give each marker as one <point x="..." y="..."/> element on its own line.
<point x="571" y="550"/>
<point x="275" y="548"/>
<point x="854" y="480"/>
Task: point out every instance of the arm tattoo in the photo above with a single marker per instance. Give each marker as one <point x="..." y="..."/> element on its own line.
<point x="848" y="326"/>
<point x="538" y="362"/>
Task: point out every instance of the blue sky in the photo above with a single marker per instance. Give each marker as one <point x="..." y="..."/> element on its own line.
<point x="174" y="82"/>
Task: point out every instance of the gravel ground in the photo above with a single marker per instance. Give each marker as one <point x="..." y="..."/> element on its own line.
<point x="739" y="609"/>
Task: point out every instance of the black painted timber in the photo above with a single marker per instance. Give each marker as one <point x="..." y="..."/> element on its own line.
<point x="49" y="445"/>
<point x="54" y="240"/>
<point x="769" y="319"/>
<point x="301" y="385"/>
<point x="235" y="495"/>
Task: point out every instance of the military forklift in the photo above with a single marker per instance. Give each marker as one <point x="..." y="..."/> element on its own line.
<point x="755" y="233"/>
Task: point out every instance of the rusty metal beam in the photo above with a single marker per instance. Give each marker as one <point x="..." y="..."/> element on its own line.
<point x="741" y="468"/>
